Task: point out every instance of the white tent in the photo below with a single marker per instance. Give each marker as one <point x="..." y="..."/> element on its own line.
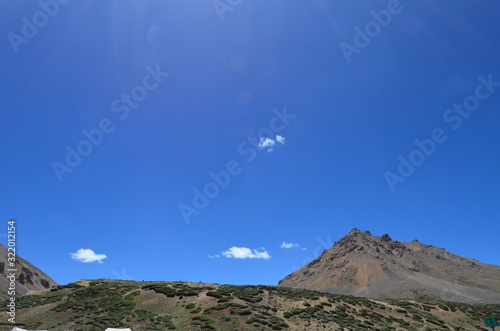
<point x="111" y="329"/>
<point x="19" y="329"/>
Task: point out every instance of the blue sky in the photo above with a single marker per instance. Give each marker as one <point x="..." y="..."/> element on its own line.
<point x="296" y="121"/>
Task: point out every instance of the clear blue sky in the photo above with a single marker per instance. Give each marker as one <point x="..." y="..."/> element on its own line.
<point x="170" y="91"/>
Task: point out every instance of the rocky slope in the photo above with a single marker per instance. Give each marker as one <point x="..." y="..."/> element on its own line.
<point x="28" y="277"/>
<point x="365" y="265"/>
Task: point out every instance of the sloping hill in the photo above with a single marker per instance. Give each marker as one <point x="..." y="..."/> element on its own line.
<point x="364" y="265"/>
<point x="147" y="306"/>
<point x="28" y="277"/>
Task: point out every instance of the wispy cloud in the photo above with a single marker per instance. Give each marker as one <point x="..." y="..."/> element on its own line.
<point x="280" y="139"/>
<point x="214" y="256"/>
<point x="289" y="245"/>
<point x="268" y="143"/>
<point x="246" y="253"/>
<point x="87" y="255"/>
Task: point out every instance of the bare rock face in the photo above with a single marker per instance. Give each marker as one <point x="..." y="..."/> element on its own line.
<point x="28" y="277"/>
<point x="365" y="265"/>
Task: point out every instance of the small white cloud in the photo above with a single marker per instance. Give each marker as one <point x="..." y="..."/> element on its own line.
<point x="214" y="256"/>
<point x="246" y="253"/>
<point x="87" y="255"/>
<point x="289" y="245"/>
<point x="268" y="143"/>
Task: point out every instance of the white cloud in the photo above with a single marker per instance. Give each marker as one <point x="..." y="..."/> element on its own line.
<point x="246" y="253"/>
<point x="289" y="245"/>
<point x="87" y="255"/>
<point x="268" y="143"/>
<point x="214" y="256"/>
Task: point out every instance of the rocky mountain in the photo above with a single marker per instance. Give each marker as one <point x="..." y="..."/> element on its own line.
<point x="28" y="277"/>
<point x="361" y="264"/>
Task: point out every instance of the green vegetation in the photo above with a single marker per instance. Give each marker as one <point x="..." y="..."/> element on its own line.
<point x="214" y="294"/>
<point x="190" y="306"/>
<point x="101" y="306"/>
<point x="179" y="306"/>
<point x="28" y="301"/>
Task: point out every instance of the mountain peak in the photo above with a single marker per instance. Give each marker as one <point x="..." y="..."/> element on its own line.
<point x="356" y="234"/>
<point x="357" y="231"/>
<point x="362" y="264"/>
<point x="354" y="239"/>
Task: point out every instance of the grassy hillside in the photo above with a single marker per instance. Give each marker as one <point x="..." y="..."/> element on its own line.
<point x="97" y="304"/>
